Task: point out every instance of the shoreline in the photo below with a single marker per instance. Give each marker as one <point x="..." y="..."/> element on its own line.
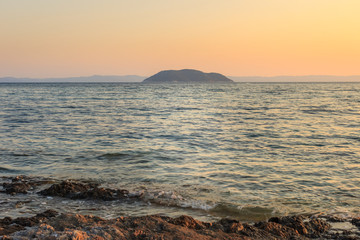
<point x="51" y="224"/>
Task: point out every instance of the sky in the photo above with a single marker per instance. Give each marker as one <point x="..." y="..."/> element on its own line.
<point x="63" y="38"/>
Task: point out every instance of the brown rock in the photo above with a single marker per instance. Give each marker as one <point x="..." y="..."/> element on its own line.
<point x="278" y="230"/>
<point x="50" y="225"/>
<point x="22" y="184"/>
<point x="67" y="189"/>
<point x="316" y="227"/>
<point x="188" y="222"/>
<point x="14" y="188"/>
<point x="312" y="228"/>
<point x="77" y="190"/>
<point x="8" y="225"/>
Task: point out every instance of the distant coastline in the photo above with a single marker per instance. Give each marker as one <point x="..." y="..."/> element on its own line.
<point x="138" y="79"/>
<point x="86" y="79"/>
<point x="305" y="78"/>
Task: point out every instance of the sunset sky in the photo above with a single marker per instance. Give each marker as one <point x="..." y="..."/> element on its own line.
<point x="43" y="38"/>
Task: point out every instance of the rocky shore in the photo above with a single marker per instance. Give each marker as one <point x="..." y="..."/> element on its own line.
<point x="51" y="224"/>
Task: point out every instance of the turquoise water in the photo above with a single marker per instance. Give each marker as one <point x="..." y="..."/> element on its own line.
<point x="246" y="151"/>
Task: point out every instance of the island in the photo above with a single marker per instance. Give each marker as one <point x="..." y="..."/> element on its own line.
<point x="187" y="76"/>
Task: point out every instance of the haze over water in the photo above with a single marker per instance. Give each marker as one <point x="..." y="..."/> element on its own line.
<point x="245" y="151"/>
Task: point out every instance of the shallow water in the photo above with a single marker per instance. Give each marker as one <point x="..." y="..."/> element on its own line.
<point x="246" y="151"/>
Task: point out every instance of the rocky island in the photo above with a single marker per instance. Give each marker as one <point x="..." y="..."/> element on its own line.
<point x="187" y="76"/>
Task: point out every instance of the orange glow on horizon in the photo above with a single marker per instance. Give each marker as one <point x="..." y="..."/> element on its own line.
<point x="236" y="38"/>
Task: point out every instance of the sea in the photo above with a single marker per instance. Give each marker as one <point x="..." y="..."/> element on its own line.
<point x="248" y="151"/>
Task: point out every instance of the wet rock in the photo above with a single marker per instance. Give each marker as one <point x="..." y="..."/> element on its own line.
<point x="252" y="232"/>
<point x="47" y="214"/>
<point x="9" y="225"/>
<point x="307" y="227"/>
<point x="6" y="226"/>
<point x="70" y="226"/>
<point x="14" y="188"/>
<point x="51" y="225"/>
<point x="295" y="222"/>
<point x="103" y="194"/>
<point x="68" y="189"/>
<point x="278" y="230"/>
<point x="334" y="219"/>
<point x="74" y="221"/>
<point x="228" y="225"/>
<point x="188" y="222"/>
<point x="22" y="184"/>
<point x="356" y="222"/>
<point x="18" y="184"/>
<point x="20" y="178"/>
<point x="316" y="227"/>
<point x="77" y="190"/>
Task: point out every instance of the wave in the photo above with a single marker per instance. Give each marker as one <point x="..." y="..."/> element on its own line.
<point x="8" y="170"/>
<point x="127" y="155"/>
<point x="223" y="209"/>
<point x="170" y="199"/>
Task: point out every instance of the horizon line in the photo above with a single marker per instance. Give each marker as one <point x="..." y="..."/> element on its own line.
<point x="135" y="75"/>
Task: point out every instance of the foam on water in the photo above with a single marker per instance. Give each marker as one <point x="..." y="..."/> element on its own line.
<point x="171" y="198"/>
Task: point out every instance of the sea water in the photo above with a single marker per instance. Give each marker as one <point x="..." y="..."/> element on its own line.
<point x="244" y="151"/>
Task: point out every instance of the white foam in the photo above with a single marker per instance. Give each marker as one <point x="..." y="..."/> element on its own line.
<point x="341" y="212"/>
<point x="170" y="198"/>
<point x="195" y="204"/>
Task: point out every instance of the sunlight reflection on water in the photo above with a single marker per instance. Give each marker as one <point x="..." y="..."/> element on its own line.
<point x="288" y="148"/>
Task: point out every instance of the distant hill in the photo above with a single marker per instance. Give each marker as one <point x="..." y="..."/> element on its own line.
<point x="95" y="78"/>
<point x="308" y="78"/>
<point x="187" y="76"/>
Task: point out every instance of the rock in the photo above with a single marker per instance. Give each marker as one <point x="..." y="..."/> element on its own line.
<point x="22" y="184"/>
<point x="68" y="189"/>
<point x="51" y="225"/>
<point x="229" y="225"/>
<point x="316" y="227"/>
<point x="187" y="76"/>
<point x="278" y="230"/>
<point x="311" y="228"/>
<point x="188" y="222"/>
<point x="18" y="184"/>
<point x="356" y="222"/>
<point x="103" y="194"/>
<point x="77" y="190"/>
<point x="8" y="225"/>
<point x="14" y="188"/>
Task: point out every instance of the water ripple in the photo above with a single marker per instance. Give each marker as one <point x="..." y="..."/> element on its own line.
<point x="283" y="146"/>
